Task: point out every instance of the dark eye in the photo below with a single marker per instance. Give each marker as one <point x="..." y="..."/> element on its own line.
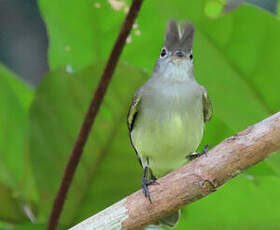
<point x="191" y="56"/>
<point x="163" y="52"/>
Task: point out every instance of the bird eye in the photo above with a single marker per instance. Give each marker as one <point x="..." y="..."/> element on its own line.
<point x="191" y="56"/>
<point x="163" y="52"/>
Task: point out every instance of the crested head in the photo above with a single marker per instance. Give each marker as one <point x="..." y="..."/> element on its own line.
<point x="176" y="54"/>
<point x="179" y="36"/>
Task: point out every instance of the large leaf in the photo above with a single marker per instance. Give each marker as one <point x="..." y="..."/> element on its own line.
<point x="56" y="115"/>
<point x="80" y="33"/>
<point x="15" y="171"/>
<point x="23" y="92"/>
<point x="239" y="204"/>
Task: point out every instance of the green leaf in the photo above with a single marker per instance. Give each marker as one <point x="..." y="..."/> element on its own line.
<point x="27" y="226"/>
<point x="77" y="28"/>
<point x="11" y="209"/>
<point x="23" y="92"/>
<point x="15" y="171"/>
<point x="214" y="8"/>
<point x="59" y="107"/>
<point x="69" y="24"/>
<point x="239" y="204"/>
<point x="30" y="226"/>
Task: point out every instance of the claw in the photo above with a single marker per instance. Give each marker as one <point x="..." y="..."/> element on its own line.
<point x="205" y="149"/>
<point x="145" y="189"/>
<point x="196" y="155"/>
<point x="146" y="183"/>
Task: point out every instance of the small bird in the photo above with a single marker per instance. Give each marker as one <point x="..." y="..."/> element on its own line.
<point x="167" y="114"/>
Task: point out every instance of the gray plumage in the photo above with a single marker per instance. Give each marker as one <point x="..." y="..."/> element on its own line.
<point x="171" y="35"/>
<point x="179" y="37"/>
<point x="167" y="114"/>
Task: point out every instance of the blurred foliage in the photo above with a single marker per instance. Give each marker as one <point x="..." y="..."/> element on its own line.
<point x="56" y="115"/>
<point x="235" y="57"/>
<point x="16" y="181"/>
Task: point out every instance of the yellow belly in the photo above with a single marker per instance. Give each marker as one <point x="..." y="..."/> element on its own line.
<point x="164" y="141"/>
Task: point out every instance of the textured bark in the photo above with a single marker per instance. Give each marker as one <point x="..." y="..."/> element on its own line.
<point x="194" y="180"/>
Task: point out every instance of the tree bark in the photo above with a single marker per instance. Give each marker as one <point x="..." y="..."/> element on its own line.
<point x="193" y="181"/>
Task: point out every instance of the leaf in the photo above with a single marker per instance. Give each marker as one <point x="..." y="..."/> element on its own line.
<point x="31" y="226"/>
<point x="11" y="208"/>
<point x="4" y="226"/>
<point x="15" y="171"/>
<point x="24" y="92"/>
<point x="239" y="204"/>
<point x="77" y="28"/>
<point x="249" y="94"/>
<point x="57" y="112"/>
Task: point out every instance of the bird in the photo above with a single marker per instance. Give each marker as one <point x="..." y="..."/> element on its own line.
<point x="167" y="115"/>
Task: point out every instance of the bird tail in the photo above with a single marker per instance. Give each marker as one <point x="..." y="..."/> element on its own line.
<point x="171" y="220"/>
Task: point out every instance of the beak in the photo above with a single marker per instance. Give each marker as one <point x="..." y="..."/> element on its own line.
<point x="179" y="54"/>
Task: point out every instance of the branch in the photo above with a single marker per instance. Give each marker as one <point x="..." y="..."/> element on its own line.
<point x="193" y="181"/>
<point x="91" y="114"/>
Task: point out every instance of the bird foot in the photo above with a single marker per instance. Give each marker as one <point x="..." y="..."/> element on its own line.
<point x="198" y="154"/>
<point x="145" y="184"/>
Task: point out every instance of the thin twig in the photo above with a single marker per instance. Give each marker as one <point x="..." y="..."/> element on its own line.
<point x="193" y="181"/>
<point x="91" y="114"/>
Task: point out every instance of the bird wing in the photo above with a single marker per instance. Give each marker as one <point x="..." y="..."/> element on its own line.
<point x="207" y="105"/>
<point x="133" y="110"/>
<point x="131" y="118"/>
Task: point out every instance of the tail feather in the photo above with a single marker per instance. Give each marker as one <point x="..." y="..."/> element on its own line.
<point x="171" y="220"/>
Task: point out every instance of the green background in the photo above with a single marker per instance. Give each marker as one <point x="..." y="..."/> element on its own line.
<point x="236" y="57"/>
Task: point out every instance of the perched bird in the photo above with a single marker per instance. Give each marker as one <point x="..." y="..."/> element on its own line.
<point x="167" y="114"/>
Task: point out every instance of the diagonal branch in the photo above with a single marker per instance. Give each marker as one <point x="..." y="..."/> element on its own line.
<point x="91" y="114"/>
<point x="193" y="181"/>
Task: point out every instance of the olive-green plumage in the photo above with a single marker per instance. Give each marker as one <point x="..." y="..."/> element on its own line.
<point x="167" y="114"/>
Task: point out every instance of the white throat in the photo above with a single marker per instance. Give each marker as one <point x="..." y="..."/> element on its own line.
<point x="175" y="71"/>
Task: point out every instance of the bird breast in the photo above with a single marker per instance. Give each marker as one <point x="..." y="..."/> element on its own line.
<point x="169" y="126"/>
